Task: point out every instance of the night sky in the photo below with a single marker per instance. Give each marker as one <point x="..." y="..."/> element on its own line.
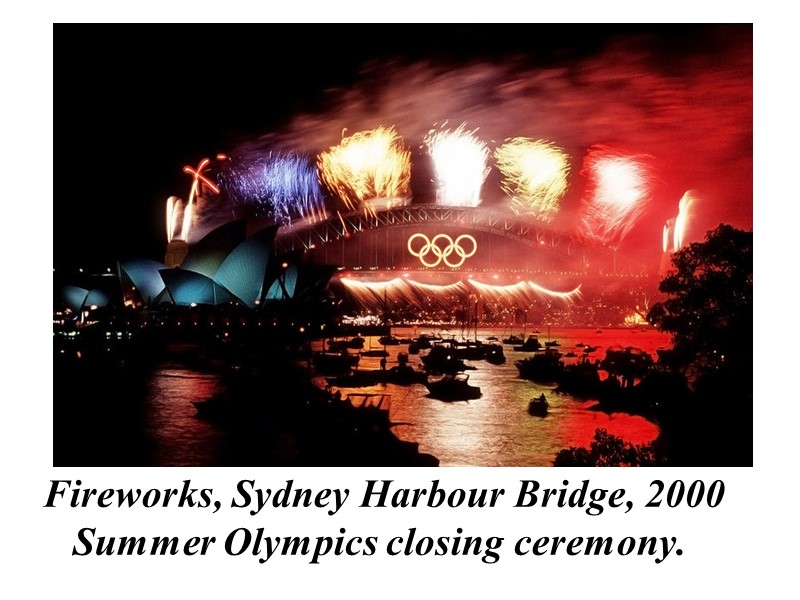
<point x="134" y="104"/>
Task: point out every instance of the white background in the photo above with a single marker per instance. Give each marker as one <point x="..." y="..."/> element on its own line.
<point x="744" y="547"/>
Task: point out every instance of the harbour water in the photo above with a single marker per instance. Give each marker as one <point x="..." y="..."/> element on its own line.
<point x="496" y="429"/>
<point x="156" y="423"/>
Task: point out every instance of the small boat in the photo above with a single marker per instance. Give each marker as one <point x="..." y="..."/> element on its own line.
<point x="542" y="366"/>
<point x="538" y="406"/>
<point x="532" y="344"/>
<point x="441" y="359"/>
<point x="453" y="387"/>
<point x="334" y="363"/>
<point x="493" y="353"/>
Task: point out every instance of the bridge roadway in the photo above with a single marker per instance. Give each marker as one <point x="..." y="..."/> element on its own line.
<point x="341" y="228"/>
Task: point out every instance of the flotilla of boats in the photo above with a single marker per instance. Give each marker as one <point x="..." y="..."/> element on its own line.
<point x="445" y="361"/>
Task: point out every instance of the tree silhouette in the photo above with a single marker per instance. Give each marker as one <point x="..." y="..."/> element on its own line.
<point x="607" y="450"/>
<point x="709" y="309"/>
<point x="709" y="312"/>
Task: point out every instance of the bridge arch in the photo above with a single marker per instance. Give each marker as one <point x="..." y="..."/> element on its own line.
<point x="495" y="222"/>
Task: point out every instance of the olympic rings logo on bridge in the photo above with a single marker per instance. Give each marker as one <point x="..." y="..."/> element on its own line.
<point x="433" y="251"/>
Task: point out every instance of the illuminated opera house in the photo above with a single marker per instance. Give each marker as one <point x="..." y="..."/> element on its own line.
<point x="226" y="267"/>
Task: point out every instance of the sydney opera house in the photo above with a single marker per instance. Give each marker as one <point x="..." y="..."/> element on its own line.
<point x="229" y="267"/>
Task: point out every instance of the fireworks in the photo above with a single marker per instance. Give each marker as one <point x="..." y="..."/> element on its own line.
<point x="522" y="293"/>
<point x="675" y="229"/>
<point x="375" y="295"/>
<point x="367" y="166"/>
<point x="617" y="191"/>
<point x="667" y="242"/>
<point x="178" y="213"/>
<point x="685" y="207"/>
<point x="198" y="178"/>
<point x="534" y="175"/>
<point x="279" y="186"/>
<point x="460" y="161"/>
<point x="184" y="213"/>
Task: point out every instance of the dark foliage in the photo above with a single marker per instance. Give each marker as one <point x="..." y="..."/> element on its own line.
<point x="709" y="309"/>
<point x="607" y="450"/>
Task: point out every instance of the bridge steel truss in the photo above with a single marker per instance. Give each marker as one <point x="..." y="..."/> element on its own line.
<point x="339" y="227"/>
<point x="541" y="235"/>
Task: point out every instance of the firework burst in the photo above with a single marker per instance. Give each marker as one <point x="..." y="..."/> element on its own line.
<point x="617" y="192"/>
<point x="185" y="213"/>
<point x="367" y="166"/>
<point x="534" y="175"/>
<point x="278" y="186"/>
<point x="461" y="165"/>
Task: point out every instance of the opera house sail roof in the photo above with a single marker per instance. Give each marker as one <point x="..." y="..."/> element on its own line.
<point x="226" y="266"/>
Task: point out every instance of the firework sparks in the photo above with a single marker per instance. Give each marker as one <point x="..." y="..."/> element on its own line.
<point x="199" y="181"/>
<point x="179" y="219"/>
<point x="171" y="217"/>
<point x="198" y="178"/>
<point x="373" y="295"/>
<point x="675" y="230"/>
<point x="460" y="161"/>
<point x="618" y="189"/>
<point x="667" y="242"/>
<point x="368" y="166"/>
<point x="522" y="293"/>
<point x="534" y="175"/>
<point x="279" y="186"/>
<point x="682" y="221"/>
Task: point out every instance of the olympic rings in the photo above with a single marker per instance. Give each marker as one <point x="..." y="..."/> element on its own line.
<point x="442" y="253"/>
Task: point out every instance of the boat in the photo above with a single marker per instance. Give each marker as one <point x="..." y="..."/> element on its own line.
<point x="532" y="344"/>
<point x="493" y="354"/>
<point x="355" y="343"/>
<point x="441" y="359"/>
<point x="538" y="406"/>
<point x="453" y="388"/>
<point x="405" y="375"/>
<point x="374" y="352"/>
<point x="334" y="363"/>
<point x="542" y="366"/>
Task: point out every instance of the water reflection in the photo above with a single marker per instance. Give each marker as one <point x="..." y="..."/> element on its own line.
<point x="153" y="421"/>
<point x="178" y="437"/>
<point x="497" y="430"/>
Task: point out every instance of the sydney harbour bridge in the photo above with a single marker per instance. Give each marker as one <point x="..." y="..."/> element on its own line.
<point x="470" y="240"/>
<point x="437" y="260"/>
